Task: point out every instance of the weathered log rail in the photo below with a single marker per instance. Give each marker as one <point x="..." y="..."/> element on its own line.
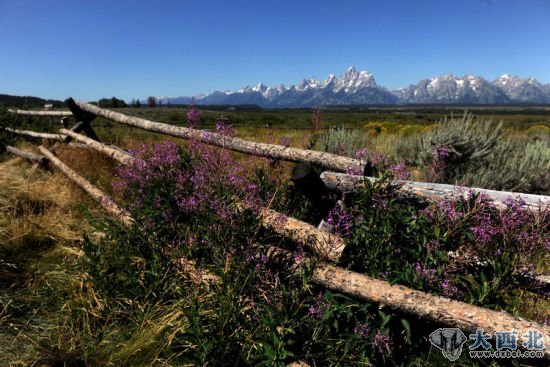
<point x="338" y="181"/>
<point x="432" y="191"/>
<point x="274" y="151"/>
<point x="41" y="113"/>
<point x="105" y="201"/>
<point x="410" y="301"/>
<point x="40" y="159"/>
<point x="116" y="154"/>
<point x="424" y="305"/>
<point x="34" y="134"/>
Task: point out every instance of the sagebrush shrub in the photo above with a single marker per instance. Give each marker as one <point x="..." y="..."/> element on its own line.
<point x="468" y="142"/>
<point x="341" y="141"/>
<point x="476" y="153"/>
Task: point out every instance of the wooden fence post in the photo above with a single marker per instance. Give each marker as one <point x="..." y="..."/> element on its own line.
<point x="83" y="119"/>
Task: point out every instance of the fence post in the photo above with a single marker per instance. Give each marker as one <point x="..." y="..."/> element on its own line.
<point x="83" y="119"/>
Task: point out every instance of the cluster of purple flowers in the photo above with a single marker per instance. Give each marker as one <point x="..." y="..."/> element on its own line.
<point x="425" y="273"/>
<point x="340" y="220"/>
<point x="193" y="115"/>
<point x="361" y="329"/>
<point x="399" y="170"/>
<point x="317" y="309"/>
<point x="449" y="289"/>
<point x="440" y="155"/>
<point x="224" y="126"/>
<point x="383" y="343"/>
<point x="166" y="188"/>
<point x="473" y="225"/>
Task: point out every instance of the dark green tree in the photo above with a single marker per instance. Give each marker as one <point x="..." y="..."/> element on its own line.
<point x="151" y="101"/>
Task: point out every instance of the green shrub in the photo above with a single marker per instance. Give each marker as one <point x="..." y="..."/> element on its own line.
<point x="515" y="165"/>
<point x="342" y="141"/>
<point x="476" y="153"/>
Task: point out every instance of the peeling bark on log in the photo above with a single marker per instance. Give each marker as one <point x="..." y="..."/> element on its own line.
<point x="431" y="191"/>
<point x="115" y="154"/>
<point x="40" y="159"/>
<point x="79" y="146"/>
<point x="41" y="113"/>
<point x="327" y="160"/>
<point x="105" y="201"/>
<point x="324" y="244"/>
<point x="35" y="134"/>
<point x="424" y="305"/>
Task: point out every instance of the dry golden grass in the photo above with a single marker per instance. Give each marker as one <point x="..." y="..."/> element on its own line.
<point x="41" y="225"/>
<point x="36" y="201"/>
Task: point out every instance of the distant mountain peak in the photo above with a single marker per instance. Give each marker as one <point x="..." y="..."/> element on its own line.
<point x="356" y="87"/>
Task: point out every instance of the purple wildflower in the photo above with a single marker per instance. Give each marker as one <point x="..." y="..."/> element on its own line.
<point x="400" y="171"/>
<point x="340" y="220"/>
<point x="449" y="290"/>
<point x="362" y="330"/>
<point x="440" y="155"/>
<point x="224" y="126"/>
<point x="383" y="343"/>
<point x="428" y="275"/>
<point x="284" y="141"/>
<point x="281" y="218"/>
<point x="362" y="153"/>
<point x="317" y="309"/>
<point x="193" y="115"/>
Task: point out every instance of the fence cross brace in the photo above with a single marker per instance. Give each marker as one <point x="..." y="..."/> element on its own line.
<point x="83" y="119"/>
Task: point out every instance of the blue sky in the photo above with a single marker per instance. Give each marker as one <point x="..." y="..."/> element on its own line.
<point x="95" y="48"/>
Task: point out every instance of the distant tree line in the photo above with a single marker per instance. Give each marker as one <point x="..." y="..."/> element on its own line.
<point x="112" y="102"/>
<point x="28" y="101"/>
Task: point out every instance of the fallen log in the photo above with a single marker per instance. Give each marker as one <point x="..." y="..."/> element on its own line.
<point x="40" y="159"/>
<point x="105" y="201"/>
<point x="35" y="134"/>
<point x="449" y="312"/>
<point x="431" y="191"/>
<point x="327" y="160"/>
<point x="115" y="154"/>
<point x="41" y="113"/>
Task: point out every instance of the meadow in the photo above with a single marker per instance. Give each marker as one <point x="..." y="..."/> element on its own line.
<point x="80" y="289"/>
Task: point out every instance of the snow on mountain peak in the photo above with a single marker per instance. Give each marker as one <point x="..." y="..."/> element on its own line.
<point x="359" y="87"/>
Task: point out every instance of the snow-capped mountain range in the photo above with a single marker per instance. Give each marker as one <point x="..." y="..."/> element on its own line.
<point x="359" y="88"/>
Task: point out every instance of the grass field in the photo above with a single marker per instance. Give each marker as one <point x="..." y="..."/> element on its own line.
<point x="76" y="289"/>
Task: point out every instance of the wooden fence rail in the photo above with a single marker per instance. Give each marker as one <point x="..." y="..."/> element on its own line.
<point x="117" y="154"/>
<point x="281" y="152"/>
<point x="433" y="191"/>
<point x="34" y="134"/>
<point x="105" y="201"/>
<point x="26" y="155"/>
<point x="421" y="304"/>
<point x="41" y="113"/>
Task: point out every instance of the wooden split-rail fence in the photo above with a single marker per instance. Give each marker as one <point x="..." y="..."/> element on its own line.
<point x="325" y="245"/>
